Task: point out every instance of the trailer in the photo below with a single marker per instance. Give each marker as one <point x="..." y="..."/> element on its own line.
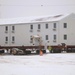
<point x="25" y="50"/>
<point x="36" y="34"/>
<point x="16" y="50"/>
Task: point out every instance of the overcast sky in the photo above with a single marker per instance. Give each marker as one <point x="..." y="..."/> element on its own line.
<point x="22" y="8"/>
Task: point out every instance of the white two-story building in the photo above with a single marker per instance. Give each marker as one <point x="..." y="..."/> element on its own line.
<point x="52" y="30"/>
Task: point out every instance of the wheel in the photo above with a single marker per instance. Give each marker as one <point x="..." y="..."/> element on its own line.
<point x="44" y="51"/>
<point x="27" y="52"/>
<point x="14" y="52"/>
<point x="51" y="51"/>
<point x="37" y="51"/>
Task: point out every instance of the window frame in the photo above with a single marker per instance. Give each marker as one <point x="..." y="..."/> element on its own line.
<point x="46" y="25"/>
<point x="31" y="26"/>
<point x="31" y="39"/>
<point x="47" y="38"/>
<point x="65" y="25"/>
<point x="54" y="37"/>
<point x="39" y="26"/>
<point x="13" y="38"/>
<point x="65" y="36"/>
<point x="54" y="25"/>
<point x="6" y="28"/>
<point x="13" y="28"/>
<point x="6" y="39"/>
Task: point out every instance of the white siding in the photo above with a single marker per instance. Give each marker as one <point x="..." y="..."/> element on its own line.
<point x="70" y="30"/>
<point x="22" y="33"/>
<point x="2" y="35"/>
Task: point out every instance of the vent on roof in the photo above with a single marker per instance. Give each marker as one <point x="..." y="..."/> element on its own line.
<point x="57" y="16"/>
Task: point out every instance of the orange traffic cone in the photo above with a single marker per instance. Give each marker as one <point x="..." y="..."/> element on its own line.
<point x="41" y="52"/>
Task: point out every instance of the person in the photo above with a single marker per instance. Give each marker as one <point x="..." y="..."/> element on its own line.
<point x="49" y="48"/>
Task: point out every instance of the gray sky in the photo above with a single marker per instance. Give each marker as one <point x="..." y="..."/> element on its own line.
<point x="22" y="8"/>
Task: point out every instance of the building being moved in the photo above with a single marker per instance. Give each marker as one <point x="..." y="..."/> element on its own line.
<point x="52" y="30"/>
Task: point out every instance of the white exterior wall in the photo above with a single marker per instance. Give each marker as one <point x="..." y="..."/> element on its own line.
<point x="70" y="30"/>
<point x="22" y="34"/>
<point x="50" y="32"/>
<point x="2" y="35"/>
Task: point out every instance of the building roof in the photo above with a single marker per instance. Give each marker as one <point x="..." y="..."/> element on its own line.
<point x="32" y="19"/>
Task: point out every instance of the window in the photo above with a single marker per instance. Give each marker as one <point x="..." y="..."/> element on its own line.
<point x="54" y="37"/>
<point x="46" y="26"/>
<point x="31" y="26"/>
<point x="31" y="40"/>
<point x="54" y="26"/>
<point x="39" y="26"/>
<point x="13" y="28"/>
<point x="6" y="28"/>
<point x="13" y="38"/>
<point x="46" y="37"/>
<point x="65" y="37"/>
<point x="65" y="25"/>
<point x="6" y="39"/>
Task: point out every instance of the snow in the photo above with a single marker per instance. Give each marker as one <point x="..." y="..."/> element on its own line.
<point x="48" y="64"/>
<point x="32" y="19"/>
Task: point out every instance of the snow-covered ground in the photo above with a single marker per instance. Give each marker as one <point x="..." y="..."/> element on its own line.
<point x="48" y="64"/>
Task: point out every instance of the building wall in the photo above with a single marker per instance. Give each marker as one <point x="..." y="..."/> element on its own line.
<point x="22" y="34"/>
<point x="69" y="31"/>
<point x="2" y="35"/>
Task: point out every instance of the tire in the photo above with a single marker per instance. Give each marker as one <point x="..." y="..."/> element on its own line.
<point x="37" y="52"/>
<point x="51" y="51"/>
<point x="27" y="52"/>
<point x="14" y="52"/>
<point x="44" y="51"/>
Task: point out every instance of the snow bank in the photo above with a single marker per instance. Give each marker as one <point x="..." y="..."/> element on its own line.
<point x="48" y="64"/>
